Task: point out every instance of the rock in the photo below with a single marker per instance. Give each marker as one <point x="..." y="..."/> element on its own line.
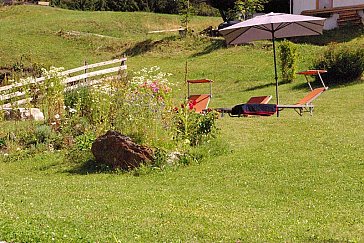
<point x="174" y="157"/>
<point x="24" y="114"/>
<point x="119" y="151"/>
<point x="36" y="114"/>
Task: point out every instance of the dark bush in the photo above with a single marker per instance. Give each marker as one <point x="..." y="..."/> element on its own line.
<point x="344" y="63"/>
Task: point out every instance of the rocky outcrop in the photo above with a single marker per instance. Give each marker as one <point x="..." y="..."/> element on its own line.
<point x="119" y="151"/>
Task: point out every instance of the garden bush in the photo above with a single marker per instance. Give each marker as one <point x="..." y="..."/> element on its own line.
<point x="288" y="60"/>
<point x="343" y="63"/>
<point x="193" y="128"/>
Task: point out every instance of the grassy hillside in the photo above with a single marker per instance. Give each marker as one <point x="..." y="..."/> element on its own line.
<point x="292" y="179"/>
<point x="42" y="33"/>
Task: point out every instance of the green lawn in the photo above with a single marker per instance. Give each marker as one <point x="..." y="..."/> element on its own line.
<point x="287" y="179"/>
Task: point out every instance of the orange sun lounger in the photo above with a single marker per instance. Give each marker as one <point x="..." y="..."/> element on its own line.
<point x="259" y="100"/>
<point x="199" y="102"/>
<point x="305" y="104"/>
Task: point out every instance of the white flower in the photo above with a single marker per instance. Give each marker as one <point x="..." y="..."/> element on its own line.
<point x="71" y="110"/>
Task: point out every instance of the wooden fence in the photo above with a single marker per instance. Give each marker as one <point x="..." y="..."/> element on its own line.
<point x="9" y="95"/>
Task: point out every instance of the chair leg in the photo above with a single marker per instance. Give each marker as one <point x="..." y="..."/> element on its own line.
<point x="299" y="111"/>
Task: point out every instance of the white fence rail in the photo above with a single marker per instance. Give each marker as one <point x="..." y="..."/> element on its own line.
<point x="71" y="82"/>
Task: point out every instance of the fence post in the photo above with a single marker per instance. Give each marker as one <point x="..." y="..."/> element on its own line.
<point x="85" y="63"/>
<point x="123" y="62"/>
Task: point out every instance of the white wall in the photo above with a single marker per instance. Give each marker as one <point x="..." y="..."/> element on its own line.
<point x="330" y="23"/>
<point x="341" y="3"/>
<point x="300" y="5"/>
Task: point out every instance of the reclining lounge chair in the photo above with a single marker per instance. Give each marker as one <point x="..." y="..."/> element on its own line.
<point x="305" y="104"/>
<point x="199" y="102"/>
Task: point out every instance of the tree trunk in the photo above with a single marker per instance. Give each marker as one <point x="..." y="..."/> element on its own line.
<point x="223" y="15"/>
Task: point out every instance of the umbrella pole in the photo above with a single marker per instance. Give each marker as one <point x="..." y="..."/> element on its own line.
<point x="275" y="68"/>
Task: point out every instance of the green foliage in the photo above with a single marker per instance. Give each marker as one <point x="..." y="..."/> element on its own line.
<point x="246" y="8"/>
<point x="160" y="158"/>
<point x="81" y="100"/>
<point x="185" y="12"/>
<point x="2" y="143"/>
<point x="158" y="6"/>
<point x="288" y="60"/>
<point x="20" y="68"/>
<point x="344" y="63"/>
<point x="143" y="105"/>
<point x="43" y="133"/>
<point x="203" y="9"/>
<point x="193" y="128"/>
<point x="52" y="91"/>
<point x="237" y="9"/>
<point x="84" y="141"/>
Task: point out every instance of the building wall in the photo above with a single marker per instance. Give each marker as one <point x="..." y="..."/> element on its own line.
<point x="300" y="5"/>
<point x="330" y="23"/>
<point x="341" y="3"/>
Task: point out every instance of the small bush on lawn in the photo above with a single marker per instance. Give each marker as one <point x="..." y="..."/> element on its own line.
<point x="288" y="60"/>
<point x="343" y="63"/>
<point x="193" y="128"/>
<point x="80" y="152"/>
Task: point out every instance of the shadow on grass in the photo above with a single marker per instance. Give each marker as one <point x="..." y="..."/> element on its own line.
<point x="265" y="85"/>
<point x="89" y="167"/>
<point x="147" y="46"/>
<point x="331" y="84"/>
<point x="339" y="35"/>
<point x="215" y="45"/>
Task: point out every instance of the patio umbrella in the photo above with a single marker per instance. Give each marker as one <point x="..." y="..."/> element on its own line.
<point x="271" y="26"/>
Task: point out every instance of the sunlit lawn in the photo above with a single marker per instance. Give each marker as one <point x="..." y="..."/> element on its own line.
<point x="287" y="179"/>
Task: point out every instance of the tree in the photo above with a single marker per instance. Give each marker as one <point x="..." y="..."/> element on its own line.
<point x="224" y="7"/>
<point x="236" y="9"/>
<point x="245" y="8"/>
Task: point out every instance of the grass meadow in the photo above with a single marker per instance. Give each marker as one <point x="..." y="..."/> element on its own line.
<point x="287" y="179"/>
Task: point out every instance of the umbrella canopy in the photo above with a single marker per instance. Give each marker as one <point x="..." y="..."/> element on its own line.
<point x="271" y="26"/>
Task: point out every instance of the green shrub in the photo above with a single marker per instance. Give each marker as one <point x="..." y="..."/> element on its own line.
<point x="80" y="152"/>
<point x="42" y="136"/>
<point x="81" y="99"/>
<point x="288" y="60"/>
<point x="43" y="133"/>
<point x="193" y="128"/>
<point x="2" y="143"/>
<point x="84" y="141"/>
<point x="343" y="63"/>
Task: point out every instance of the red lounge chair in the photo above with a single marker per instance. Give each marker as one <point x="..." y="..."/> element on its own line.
<point x="199" y="102"/>
<point x="305" y="104"/>
<point x="259" y="100"/>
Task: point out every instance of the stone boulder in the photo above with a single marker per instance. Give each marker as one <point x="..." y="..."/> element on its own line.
<point x="119" y="151"/>
<point x="23" y="114"/>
